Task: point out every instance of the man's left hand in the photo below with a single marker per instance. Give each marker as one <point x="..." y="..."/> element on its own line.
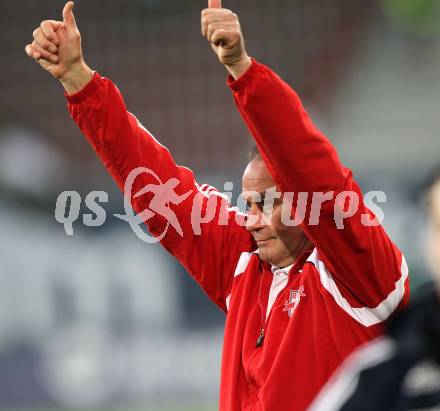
<point x="222" y="29"/>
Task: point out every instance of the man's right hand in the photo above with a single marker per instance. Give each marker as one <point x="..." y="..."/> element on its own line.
<point x="57" y="48"/>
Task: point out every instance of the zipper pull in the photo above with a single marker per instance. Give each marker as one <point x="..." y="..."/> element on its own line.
<point x="260" y="338"/>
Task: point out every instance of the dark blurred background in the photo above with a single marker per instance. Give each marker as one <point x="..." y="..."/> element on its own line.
<point x="101" y="320"/>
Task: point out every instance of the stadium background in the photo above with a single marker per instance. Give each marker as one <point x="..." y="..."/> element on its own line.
<point x="101" y="320"/>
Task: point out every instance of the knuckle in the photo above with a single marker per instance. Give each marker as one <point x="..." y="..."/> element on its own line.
<point x="35" y="32"/>
<point x="38" y="48"/>
<point x="45" y="27"/>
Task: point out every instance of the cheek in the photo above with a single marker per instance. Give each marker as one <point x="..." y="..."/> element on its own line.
<point x="289" y="235"/>
<point x="275" y="221"/>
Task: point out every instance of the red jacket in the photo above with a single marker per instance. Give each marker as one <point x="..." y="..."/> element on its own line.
<point x="331" y="301"/>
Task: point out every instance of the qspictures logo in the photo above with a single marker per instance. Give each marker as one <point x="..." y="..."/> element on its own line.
<point x="161" y="200"/>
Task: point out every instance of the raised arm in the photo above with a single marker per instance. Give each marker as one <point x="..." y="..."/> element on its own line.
<point x="194" y="223"/>
<point x="354" y="255"/>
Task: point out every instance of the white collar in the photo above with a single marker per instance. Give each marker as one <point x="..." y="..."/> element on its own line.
<point x="286" y="270"/>
<point x="276" y="270"/>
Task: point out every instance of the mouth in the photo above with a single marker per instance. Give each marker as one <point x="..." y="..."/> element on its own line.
<point x="262" y="242"/>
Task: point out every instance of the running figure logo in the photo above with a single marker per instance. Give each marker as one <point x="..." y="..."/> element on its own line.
<point x="163" y="195"/>
<point x="294" y="299"/>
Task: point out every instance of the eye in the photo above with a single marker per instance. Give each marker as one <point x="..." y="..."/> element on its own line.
<point x="259" y="205"/>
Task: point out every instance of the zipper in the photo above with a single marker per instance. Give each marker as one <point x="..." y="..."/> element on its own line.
<point x="263" y="316"/>
<point x="299" y="260"/>
<point x="260" y="338"/>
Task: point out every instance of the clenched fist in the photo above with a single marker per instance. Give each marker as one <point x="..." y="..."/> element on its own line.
<point x="57" y="48"/>
<point x="222" y="29"/>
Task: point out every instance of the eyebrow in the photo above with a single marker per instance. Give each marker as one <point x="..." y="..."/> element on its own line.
<point x="260" y="193"/>
<point x="262" y="199"/>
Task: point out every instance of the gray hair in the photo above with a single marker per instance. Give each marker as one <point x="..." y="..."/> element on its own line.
<point x="254" y="154"/>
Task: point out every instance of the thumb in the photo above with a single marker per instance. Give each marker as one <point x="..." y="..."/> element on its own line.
<point x="68" y="17"/>
<point x="215" y="4"/>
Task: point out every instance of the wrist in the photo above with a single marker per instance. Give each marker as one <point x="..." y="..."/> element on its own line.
<point x="76" y="78"/>
<point x="236" y="70"/>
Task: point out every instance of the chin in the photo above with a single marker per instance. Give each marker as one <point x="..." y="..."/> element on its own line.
<point x="262" y="252"/>
<point x="272" y="257"/>
<point x="265" y="255"/>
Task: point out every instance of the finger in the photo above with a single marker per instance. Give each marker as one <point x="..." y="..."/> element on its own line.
<point x="215" y="4"/>
<point x="68" y="17"/>
<point x="222" y="37"/>
<point x="44" y="53"/>
<point x="43" y="42"/>
<point x="31" y="52"/>
<point x="214" y="18"/>
<point x="215" y="27"/>
<point x="49" y="28"/>
<point x="216" y="11"/>
<point x="212" y="27"/>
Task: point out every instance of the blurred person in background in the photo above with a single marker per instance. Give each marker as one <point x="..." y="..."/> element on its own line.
<point x="298" y="298"/>
<point x="400" y="371"/>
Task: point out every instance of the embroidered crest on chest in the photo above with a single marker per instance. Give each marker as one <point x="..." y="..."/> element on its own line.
<point x="291" y="304"/>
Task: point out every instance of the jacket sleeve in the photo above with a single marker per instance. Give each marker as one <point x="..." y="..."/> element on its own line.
<point x="359" y="259"/>
<point x="174" y="212"/>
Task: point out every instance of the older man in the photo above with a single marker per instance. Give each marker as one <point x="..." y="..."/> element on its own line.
<point x="299" y="294"/>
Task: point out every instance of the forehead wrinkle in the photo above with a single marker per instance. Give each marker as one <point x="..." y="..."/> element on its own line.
<point x="255" y="180"/>
<point x="246" y="176"/>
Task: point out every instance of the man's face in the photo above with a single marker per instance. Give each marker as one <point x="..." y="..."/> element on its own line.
<point x="434" y="230"/>
<point x="278" y="244"/>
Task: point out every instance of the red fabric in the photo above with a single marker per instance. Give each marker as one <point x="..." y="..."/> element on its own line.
<point x="300" y="351"/>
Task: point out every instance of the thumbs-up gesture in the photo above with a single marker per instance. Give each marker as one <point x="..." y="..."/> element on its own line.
<point x="222" y="29"/>
<point x="57" y="48"/>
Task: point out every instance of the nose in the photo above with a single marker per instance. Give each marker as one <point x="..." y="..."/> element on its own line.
<point x="254" y="220"/>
